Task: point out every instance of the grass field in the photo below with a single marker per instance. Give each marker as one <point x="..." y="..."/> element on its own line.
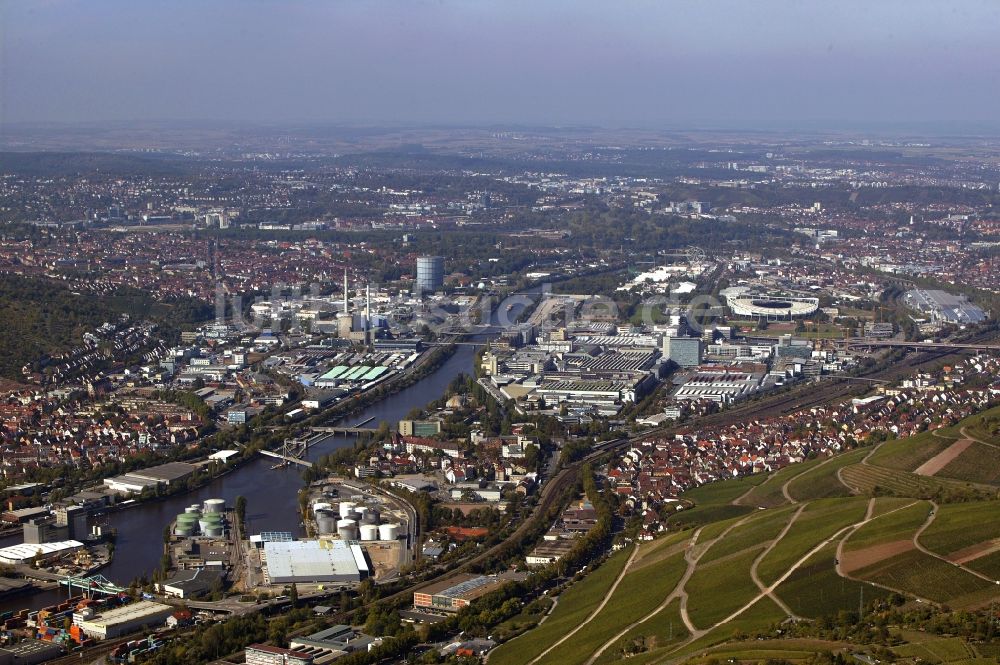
<point x="925" y="577"/>
<point x="987" y="565"/>
<point x="887" y="504"/>
<point x="700" y="515"/>
<point x="979" y="463"/>
<point x="753" y="533"/>
<point x="575" y="604"/>
<point x="815" y="589"/>
<point x="723" y="492"/>
<point x="960" y="525"/>
<point x="984" y="426"/>
<point x="867" y="479"/>
<point x="900" y="525"/>
<point x="639" y="593"/>
<point x="763" y="614"/>
<point x="717" y="589"/>
<point x="822" y="482"/>
<point x="714" y="501"/>
<point x="818" y="521"/>
<point x="792" y="650"/>
<point x="663" y="629"/>
<point x="769" y="494"/>
<point x="909" y="453"/>
<point x="933" y="649"/>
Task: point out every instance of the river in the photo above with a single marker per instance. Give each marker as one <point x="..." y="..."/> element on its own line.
<point x="271" y="494"/>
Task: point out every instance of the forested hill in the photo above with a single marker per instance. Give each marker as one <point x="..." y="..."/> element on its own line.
<point x="39" y="316"/>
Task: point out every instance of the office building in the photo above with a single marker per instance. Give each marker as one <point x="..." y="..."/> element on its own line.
<point x="684" y="351"/>
<point x="430" y="273"/>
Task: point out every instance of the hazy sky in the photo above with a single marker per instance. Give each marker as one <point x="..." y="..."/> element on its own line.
<point x="615" y="63"/>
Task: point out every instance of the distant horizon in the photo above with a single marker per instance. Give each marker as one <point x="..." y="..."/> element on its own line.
<point x="854" y="65"/>
<point x="875" y="130"/>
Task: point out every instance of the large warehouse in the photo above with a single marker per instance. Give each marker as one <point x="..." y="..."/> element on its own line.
<point x="122" y="620"/>
<point x="456" y="592"/>
<point x="302" y="561"/>
<point x="25" y="553"/>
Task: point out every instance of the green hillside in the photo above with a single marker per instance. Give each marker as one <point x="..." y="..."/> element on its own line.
<point x="778" y="567"/>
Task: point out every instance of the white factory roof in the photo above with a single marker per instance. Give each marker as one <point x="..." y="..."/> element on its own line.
<point x="223" y="454"/>
<point x="128" y="613"/>
<point x="24" y="551"/>
<point x="309" y="559"/>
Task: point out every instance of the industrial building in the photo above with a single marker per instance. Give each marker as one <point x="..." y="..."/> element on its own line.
<point x="332" y="643"/>
<point x="25" y="552"/>
<point x="29" y="652"/>
<point x="457" y="592"/>
<point x="264" y="654"/>
<point x="136" y="481"/>
<point x="193" y="583"/>
<point x="122" y="620"/>
<point x="430" y="273"/>
<point x="944" y="307"/>
<point x="312" y="561"/>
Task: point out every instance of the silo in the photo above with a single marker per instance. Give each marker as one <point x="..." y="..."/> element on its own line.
<point x="215" y="505"/>
<point x="346" y="508"/>
<point x="193" y="510"/>
<point x="369" y="532"/>
<point x="321" y="505"/>
<point x="347" y="529"/>
<point x="326" y="522"/>
<point x="183" y="530"/>
<point x="214" y="531"/>
<point x="388" y="531"/>
<point x="210" y="522"/>
<point x="187" y="523"/>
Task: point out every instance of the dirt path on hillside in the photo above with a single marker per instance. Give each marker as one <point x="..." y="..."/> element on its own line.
<point x="756" y="562"/>
<point x="693" y="554"/>
<point x="943" y="458"/>
<point x="972" y="438"/>
<point x="674" y="594"/>
<point x="784" y="487"/>
<point x="611" y="592"/>
<point x="839" y="567"/>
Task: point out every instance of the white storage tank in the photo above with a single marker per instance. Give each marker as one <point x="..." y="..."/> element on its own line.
<point x="215" y="505"/>
<point x="347" y="529"/>
<point x="321" y="505"/>
<point x="346" y="508"/>
<point x="388" y="531"/>
<point x="369" y="532"/>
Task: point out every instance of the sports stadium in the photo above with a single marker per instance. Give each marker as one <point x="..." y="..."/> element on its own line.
<point x="771" y="307"/>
